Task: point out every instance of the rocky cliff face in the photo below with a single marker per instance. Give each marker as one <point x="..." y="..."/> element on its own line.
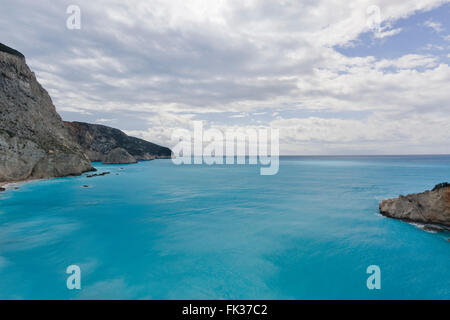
<point x="119" y="156"/>
<point x="34" y="143"/>
<point x="430" y="207"/>
<point x="98" y="141"/>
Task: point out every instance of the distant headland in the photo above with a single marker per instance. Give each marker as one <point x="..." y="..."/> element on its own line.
<point x="36" y="143"/>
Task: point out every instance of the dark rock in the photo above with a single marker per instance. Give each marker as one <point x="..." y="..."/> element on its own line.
<point x="12" y="51"/>
<point x="98" y="175"/>
<point x="430" y="207"/>
<point x="2" y="189"/>
<point x="85" y="186"/>
<point x="98" y="141"/>
<point x="441" y="186"/>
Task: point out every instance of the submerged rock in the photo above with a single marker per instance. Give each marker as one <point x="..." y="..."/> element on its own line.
<point x="2" y="189"/>
<point x="430" y="207"/>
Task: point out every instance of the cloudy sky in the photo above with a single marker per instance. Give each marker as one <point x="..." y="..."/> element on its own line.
<point x="336" y="77"/>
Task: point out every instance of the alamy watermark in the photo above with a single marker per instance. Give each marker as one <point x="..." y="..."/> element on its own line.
<point x="74" y="280"/>
<point x="374" y="280"/>
<point x="212" y="146"/>
<point x="73" y="22"/>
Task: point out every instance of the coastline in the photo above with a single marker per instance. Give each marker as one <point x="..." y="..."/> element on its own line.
<point x="10" y="185"/>
<point x="17" y="184"/>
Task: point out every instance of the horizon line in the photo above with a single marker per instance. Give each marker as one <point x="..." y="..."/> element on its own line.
<point x="366" y="155"/>
<point x="338" y="155"/>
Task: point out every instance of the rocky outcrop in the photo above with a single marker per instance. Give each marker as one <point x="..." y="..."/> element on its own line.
<point x="430" y="207"/>
<point x="34" y="142"/>
<point x="119" y="156"/>
<point x="98" y="174"/>
<point x="98" y="141"/>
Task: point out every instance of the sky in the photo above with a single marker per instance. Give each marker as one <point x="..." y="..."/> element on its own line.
<point x="335" y="77"/>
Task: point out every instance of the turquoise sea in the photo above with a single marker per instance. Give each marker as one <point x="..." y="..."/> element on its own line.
<point x="159" y="231"/>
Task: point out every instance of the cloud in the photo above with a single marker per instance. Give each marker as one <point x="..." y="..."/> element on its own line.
<point x="436" y="26"/>
<point x="166" y="63"/>
<point x="388" y="33"/>
<point x="409" y="61"/>
<point x="378" y="132"/>
<point x="105" y="120"/>
<point x="238" y="116"/>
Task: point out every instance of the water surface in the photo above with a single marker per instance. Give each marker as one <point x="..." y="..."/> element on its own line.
<point x="159" y="231"/>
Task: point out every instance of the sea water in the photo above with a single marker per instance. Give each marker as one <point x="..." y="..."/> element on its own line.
<point x="155" y="230"/>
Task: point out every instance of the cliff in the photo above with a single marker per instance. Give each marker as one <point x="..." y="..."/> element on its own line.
<point x="98" y="141"/>
<point x="34" y="143"/>
<point x="119" y="156"/>
<point x="429" y="207"/>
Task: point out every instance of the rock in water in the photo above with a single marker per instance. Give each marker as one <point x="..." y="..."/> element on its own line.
<point x="98" y="174"/>
<point x="98" y="141"/>
<point x="119" y="156"/>
<point x="430" y="207"/>
<point x="34" y="143"/>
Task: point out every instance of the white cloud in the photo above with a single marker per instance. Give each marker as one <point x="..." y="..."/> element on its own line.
<point x="169" y="62"/>
<point x="106" y="120"/>
<point x="238" y="116"/>
<point x="378" y="132"/>
<point x="388" y="33"/>
<point x="409" y="61"/>
<point x="436" y="26"/>
<point x="431" y="46"/>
